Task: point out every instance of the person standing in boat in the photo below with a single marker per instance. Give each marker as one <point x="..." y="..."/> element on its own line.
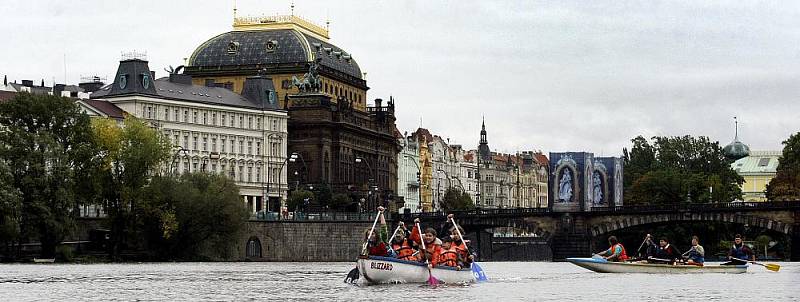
<point x="402" y="246"/>
<point x="376" y="244"/>
<point x="696" y="254"/>
<point x="666" y="253"/>
<point x="741" y="251"/>
<point x="616" y="252"/>
<point x="432" y="247"/>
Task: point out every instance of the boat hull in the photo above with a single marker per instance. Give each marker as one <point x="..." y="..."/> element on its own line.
<point x="377" y="270"/>
<point x="652" y="268"/>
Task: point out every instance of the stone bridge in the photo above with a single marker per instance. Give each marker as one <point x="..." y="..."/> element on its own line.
<point x="570" y="234"/>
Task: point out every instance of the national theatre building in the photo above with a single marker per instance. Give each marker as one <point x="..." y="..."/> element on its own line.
<point x="340" y="141"/>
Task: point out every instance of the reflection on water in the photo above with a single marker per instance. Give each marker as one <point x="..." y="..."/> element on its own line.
<point x="539" y="281"/>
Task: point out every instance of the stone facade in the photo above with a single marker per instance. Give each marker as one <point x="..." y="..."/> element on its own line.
<point x="331" y="136"/>
<point x="578" y="181"/>
<point x="302" y="241"/>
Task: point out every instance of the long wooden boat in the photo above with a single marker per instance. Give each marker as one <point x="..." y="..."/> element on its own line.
<point x="602" y="266"/>
<point x="376" y="270"/>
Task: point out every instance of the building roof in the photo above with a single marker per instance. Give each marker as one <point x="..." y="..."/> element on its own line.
<point x="271" y="47"/>
<point x="541" y="159"/>
<point x="757" y="163"/>
<point x="106" y="108"/>
<point x="7" y="95"/>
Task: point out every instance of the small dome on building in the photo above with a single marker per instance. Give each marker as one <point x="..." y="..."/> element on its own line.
<point x="736" y="149"/>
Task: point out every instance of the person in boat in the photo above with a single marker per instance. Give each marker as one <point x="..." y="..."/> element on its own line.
<point x="403" y="247"/>
<point x="696" y="254"/>
<point x="448" y="254"/>
<point x="666" y="253"/>
<point x="741" y="251"/>
<point x="616" y="252"/>
<point x="376" y="242"/>
<point x="432" y="247"/>
<point x="647" y="249"/>
<point x="459" y="243"/>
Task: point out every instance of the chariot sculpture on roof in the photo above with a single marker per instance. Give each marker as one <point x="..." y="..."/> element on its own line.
<point x="310" y="82"/>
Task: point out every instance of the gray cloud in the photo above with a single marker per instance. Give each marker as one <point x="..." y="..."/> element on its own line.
<point x="549" y="76"/>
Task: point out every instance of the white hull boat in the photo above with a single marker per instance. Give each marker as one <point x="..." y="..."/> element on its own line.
<point x="45" y="260"/>
<point x="602" y="266"/>
<point x="375" y="270"/>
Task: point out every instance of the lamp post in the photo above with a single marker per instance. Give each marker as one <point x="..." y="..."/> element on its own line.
<point x="291" y="158"/>
<point x="438" y="191"/>
<point x="419" y="182"/>
<point x="371" y="179"/>
<point x="178" y="149"/>
<point x="268" y="163"/>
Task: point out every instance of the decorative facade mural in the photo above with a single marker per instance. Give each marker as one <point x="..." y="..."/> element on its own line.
<point x="578" y="181"/>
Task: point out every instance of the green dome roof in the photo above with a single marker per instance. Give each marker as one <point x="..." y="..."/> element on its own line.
<point x="736" y="150"/>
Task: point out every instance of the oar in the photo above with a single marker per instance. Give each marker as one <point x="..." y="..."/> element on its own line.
<point x="390" y="241"/>
<point x="770" y="266"/>
<point x="353" y="275"/>
<point x="641" y="245"/>
<point x="431" y="279"/>
<point x="476" y="269"/>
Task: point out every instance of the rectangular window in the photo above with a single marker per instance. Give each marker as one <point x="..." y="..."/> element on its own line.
<point x="241" y="121"/>
<point x="175" y="118"/>
<point x="186" y="116"/>
<point x="274" y="125"/>
<point x="177" y="141"/>
<point x="214" y="144"/>
<point x="194" y="117"/>
<point x="241" y="173"/>
<point x="258" y="174"/>
<point x="223" y="120"/>
<point x="149" y="111"/>
<point x="186" y="142"/>
<point x="222" y="143"/>
<point x="241" y="147"/>
<point x="205" y="118"/>
<point x="258" y="123"/>
<point x="213" y="167"/>
<point x="222" y="168"/>
<point x="232" y="121"/>
<point x="214" y="119"/>
<point x="258" y="148"/>
<point x="763" y="162"/>
<point x="250" y="122"/>
<point x="249" y="174"/>
<point x="205" y="144"/>
<point x="250" y="148"/>
<point x="194" y="142"/>
<point x="166" y="114"/>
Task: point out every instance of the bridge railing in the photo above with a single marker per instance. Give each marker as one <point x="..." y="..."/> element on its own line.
<point x="477" y="213"/>
<point x="700" y="207"/>
<point x="318" y="216"/>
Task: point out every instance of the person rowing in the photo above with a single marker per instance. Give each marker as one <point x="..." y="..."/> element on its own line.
<point x="739" y="251"/>
<point x="402" y="246"/>
<point x="696" y="254"/>
<point x="376" y="241"/>
<point x="616" y="252"/>
<point x="666" y="253"/>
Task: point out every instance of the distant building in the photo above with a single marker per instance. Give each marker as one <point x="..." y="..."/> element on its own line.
<point x="407" y="171"/>
<point x="757" y="169"/>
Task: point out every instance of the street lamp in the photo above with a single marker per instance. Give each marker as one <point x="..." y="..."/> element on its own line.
<point x="370" y="185"/>
<point x="419" y="188"/>
<point x="292" y="158"/>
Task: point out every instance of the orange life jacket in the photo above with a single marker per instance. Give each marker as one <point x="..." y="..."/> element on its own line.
<point x="622" y="255"/>
<point x="447" y="257"/>
<point x="404" y="251"/>
<point x="462" y="250"/>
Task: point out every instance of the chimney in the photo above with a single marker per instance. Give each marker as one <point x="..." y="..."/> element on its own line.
<point x="378" y="103"/>
<point x="27" y="83"/>
<point x="180" y="78"/>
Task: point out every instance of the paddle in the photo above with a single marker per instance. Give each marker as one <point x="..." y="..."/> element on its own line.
<point x="770" y="266"/>
<point x="353" y="275"/>
<point x="390" y="241"/>
<point x="431" y="279"/>
<point x="639" y="250"/>
<point x="476" y="269"/>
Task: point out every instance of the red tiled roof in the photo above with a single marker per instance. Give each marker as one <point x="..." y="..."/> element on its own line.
<point x="7" y="95"/>
<point x="107" y="108"/>
<point x="424" y="133"/>
<point x="542" y="159"/>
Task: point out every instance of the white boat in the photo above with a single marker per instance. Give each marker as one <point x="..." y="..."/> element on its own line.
<point x="375" y="270"/>
<point x="44" y="260"/>
<point x="602" y="266"/>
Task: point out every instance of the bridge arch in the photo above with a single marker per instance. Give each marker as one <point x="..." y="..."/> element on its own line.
<point x="602" y="226"/>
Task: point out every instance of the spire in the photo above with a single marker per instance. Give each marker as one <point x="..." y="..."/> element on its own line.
<point x="736" y="127"/>
<point x="292" y="8"/>
<point x="5" y="80"/>
<point x="234" y="11"/>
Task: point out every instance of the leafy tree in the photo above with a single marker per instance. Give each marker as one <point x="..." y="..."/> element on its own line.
<point x="340" y="201"/>
<point x="678" y="169"/>
<point x="10" y="205"/>
<point x="46" y="142"/>
<point x="786" y="184"/>
<point x="297" y="199"/>
<point x="455" y="200"/>
<point x="194" y="217"/>
<point x="131" y="155"/>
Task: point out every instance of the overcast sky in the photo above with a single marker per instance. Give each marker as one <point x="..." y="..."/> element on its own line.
<point x="560" y="76"/>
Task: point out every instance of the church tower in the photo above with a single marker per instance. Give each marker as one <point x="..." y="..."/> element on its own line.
<point x="483" y="146"/>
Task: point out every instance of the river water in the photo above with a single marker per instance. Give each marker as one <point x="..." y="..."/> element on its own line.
<point x="248" y="281"/>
